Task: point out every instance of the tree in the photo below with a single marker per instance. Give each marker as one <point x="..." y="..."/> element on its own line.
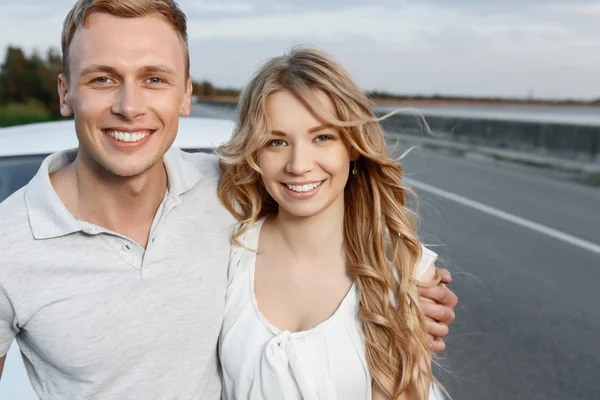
<point x="14" y="76"/>
<point x="24" y="78"/>
<point x="203" y="89"/>
<point x="53" y="67"/>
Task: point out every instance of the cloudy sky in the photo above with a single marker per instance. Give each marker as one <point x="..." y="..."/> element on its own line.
<point x="508" y="48"/>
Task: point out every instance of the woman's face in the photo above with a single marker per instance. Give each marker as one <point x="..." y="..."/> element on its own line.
<point x="305" y="165"/>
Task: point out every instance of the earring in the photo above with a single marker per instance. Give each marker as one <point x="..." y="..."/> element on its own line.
<point x="355" y="170"/>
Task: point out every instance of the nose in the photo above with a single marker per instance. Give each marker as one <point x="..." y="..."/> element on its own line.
<point x="130" y="102"/>
<point x="301" y="160"/>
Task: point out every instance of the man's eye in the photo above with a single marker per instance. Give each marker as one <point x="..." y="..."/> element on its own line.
<point x="102" y="79"/>
<point x="276" y="143"/>
<point x="155" y="79"/>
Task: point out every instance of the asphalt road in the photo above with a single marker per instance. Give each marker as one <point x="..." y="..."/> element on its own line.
<point x="524" y="250"/>
<point x="528" y="320"/>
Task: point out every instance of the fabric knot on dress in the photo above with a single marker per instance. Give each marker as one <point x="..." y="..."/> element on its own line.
<point x="287" y="359"/>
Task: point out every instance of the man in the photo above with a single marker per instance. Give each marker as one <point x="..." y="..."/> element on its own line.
<point x="114" y="257"/>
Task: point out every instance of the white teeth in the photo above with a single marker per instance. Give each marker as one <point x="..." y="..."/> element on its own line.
<point x="128" y="136"/>
<point x="304" y="188"/>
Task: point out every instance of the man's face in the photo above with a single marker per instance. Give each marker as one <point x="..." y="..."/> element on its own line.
<point x="126" y="88"/>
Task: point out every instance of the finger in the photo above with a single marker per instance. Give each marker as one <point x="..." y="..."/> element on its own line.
<point x="438" y="312"/>
<point x="437" y="345"/>
<point x="436" y="329"/>
<point x="445" y="275"/>
<point x="439" y="294"/>
<point x="435" y="293"/>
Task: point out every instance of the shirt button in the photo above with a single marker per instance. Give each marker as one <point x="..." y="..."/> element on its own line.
<point x="126" y="247"/>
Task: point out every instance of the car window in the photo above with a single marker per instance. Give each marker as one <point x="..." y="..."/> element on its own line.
<point x="17" y="171"/>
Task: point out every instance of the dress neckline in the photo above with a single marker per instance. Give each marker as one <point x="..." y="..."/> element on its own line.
<point x="352" y="292"/>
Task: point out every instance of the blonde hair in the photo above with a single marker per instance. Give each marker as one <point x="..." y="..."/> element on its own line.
<point x="380" y="231"/>
<point x="167" y="9"/>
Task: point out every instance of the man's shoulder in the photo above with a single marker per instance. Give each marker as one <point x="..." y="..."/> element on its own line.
<point x="13" y="211"/>
<point x="205" y="191"/>
<point x="15" y="231"/>
<point x="207" y="164"/>
<point x="204" y="162"/>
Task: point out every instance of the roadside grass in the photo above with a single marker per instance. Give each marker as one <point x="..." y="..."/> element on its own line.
<point x="24" y="113"/>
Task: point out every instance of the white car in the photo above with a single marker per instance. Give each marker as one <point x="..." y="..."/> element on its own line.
<point x="22" y="150"/>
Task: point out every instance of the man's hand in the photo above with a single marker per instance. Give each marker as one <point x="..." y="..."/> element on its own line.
<point x="438" y="303"/>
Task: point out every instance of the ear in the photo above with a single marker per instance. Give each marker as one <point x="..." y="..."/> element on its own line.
<point x="66" y="110"/>
<point x="354" y="155"/>
<point x="186" y="104"/>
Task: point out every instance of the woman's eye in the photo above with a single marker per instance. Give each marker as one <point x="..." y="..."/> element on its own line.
<point x="323" y="138"/>
<point x="276" y="143"/>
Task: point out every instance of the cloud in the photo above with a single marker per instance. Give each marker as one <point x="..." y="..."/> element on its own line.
<point x="208" y="9"/>
<point x="482" y="47"/>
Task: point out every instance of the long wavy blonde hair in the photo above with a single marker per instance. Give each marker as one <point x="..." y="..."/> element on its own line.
<point x="379" y="228"/>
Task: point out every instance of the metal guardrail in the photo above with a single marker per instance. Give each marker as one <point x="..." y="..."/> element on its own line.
<point x="564" y="136"/>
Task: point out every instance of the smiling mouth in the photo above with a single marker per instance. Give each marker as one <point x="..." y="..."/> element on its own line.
<point x="303" y="188"/>
<point x="128" y="136"/>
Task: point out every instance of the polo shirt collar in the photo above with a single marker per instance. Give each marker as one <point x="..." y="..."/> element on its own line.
<point x="48" y="216"/>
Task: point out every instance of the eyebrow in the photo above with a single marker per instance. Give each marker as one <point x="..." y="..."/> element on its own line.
<point x="113" y="71"/>
<point x="98" y="68"/>
<point x="157" y="68"/>
<point x="311" y="130"/>
<point x="319" y="128"/>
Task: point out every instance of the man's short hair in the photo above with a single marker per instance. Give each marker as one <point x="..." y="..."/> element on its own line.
<point x="167" y="9"/>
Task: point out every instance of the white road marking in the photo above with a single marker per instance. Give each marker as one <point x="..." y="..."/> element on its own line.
<point x="565" y="237"/>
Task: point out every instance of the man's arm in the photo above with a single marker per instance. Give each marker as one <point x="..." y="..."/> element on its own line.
<point x="438" y="303"/>
<point x="7" y="326"/>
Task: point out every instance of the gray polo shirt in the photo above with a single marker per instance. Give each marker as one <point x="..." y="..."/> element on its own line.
<point x="99" y="317"/>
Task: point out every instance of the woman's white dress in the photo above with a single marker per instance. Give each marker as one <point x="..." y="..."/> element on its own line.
<point x="260" y="361"/>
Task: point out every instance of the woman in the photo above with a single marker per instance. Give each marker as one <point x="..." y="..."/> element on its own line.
<point x="322" y="301"/>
